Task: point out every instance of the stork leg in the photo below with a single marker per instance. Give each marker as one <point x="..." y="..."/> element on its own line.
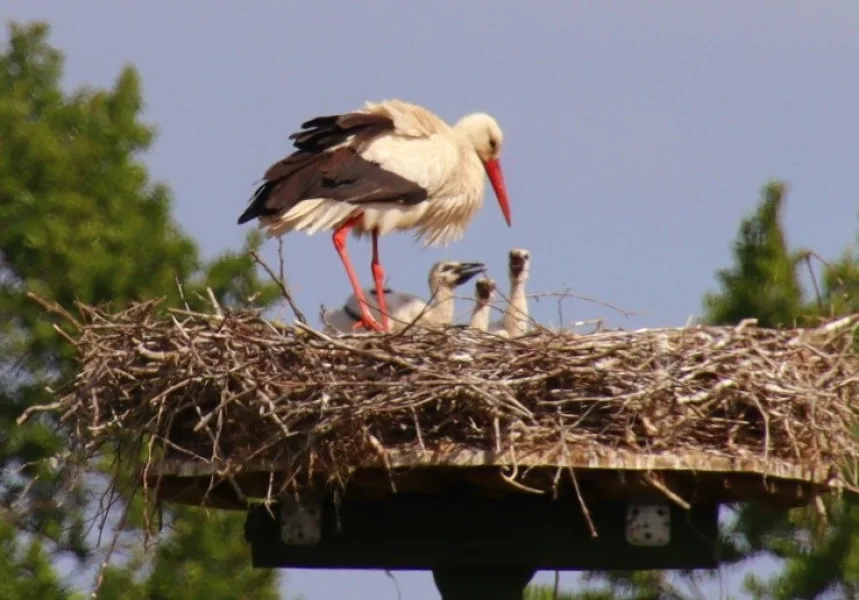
<point x="339" y="239"/>
<point x="379" y="278"/>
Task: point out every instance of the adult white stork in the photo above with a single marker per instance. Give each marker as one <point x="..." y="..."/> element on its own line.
<point x="405" y="309"/>
<point x="387" y="166"/>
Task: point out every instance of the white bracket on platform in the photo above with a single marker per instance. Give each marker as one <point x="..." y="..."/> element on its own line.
<point x="648" y="524"/>
<point x="300" y="523"/>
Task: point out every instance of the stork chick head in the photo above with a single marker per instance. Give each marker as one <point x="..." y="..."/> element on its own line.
<point x="483" y="290"/>
<point x="452" y="274"/>
<point x="519" y="264"/>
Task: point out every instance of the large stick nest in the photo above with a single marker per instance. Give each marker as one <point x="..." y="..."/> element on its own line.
<point x="232" y="389"/>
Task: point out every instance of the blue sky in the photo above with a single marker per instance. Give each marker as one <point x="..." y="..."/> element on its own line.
<point x="637" y="134"/>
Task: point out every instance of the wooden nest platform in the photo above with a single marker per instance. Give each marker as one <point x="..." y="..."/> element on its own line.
<point x="228" y="408"/>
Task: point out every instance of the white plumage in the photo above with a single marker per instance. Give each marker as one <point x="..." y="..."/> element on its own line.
<point x="484" y="289"/>
<point x="516" y="319"/>
<point x="385" y="167"/>
<point x="405" y="308"/>
<point x="445" y="161"/>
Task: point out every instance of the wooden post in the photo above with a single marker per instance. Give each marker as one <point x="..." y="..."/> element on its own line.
<point x="470" y="584"/>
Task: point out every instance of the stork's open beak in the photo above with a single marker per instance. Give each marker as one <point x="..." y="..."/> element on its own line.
<point x="485" y="287"/>
<point x="517" y="263"/>
<point x="496" y="178"/>
<point x="465" y="271"/>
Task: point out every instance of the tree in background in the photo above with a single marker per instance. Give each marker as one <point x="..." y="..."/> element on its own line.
<point x="83" y="221"/>
<point x="616" y="585"/>
<point x="547" y="592"/>
<point x="183" y="565"/>
<point x="26" y="571"/>
<point x="764" y="283"/>
<point x="627" y="585"/>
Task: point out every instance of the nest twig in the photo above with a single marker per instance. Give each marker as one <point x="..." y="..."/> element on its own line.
<point x="229" y="389"/>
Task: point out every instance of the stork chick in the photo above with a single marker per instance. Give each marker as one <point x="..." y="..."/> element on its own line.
<point x="404" y="308"/>
<point x="484" y="289"/>
<point x="515" y="321"/>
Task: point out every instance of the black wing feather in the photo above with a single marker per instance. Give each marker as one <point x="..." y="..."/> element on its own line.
<point x="314" y="170"/>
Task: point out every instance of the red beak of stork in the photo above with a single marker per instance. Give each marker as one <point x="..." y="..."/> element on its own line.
<point x="496" y="178"/>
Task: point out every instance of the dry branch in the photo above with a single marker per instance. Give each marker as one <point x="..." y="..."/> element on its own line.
<point x="231" y="390"/>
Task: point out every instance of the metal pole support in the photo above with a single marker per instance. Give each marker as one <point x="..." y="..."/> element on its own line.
<point x="480" y="584"/>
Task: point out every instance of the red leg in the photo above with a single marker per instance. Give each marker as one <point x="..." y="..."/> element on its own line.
<point x="379" y="278"/>
<point x="339" y="238"/>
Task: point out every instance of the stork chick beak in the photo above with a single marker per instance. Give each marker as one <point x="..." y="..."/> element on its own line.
<point x="496" y="178"/>
<point x="466" y="271"/>
<point x="485" y="287"/>
<point x="517" y="264"/>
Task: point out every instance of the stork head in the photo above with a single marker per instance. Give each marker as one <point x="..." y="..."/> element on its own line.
<point x="486" y="138"/>
<point x="519" y="264"/>
<point x="483" y="290"/>
<point x="452" y="274"/>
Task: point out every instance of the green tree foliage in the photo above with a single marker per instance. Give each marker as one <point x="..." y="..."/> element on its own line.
<point x="183" y="565"/>
<point x="82" y="221"/>
<point x="547" y="592"/>
<point x="763" y="282"/>
<point x="628" y="585"/>
<point x="841" y="286"/>
<point x="818" y="559"/>
<point x="26" y="571"/>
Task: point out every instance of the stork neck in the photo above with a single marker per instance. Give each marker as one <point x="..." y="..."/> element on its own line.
<point x="516" y="315"/>
<point x="480" y="317"/>
<point x="440" y="310"/>
<point x="517" y="294"/>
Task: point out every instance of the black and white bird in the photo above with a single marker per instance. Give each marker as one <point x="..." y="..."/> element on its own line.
<point x="404" y="308"/>
<point x="388" y="166"/>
